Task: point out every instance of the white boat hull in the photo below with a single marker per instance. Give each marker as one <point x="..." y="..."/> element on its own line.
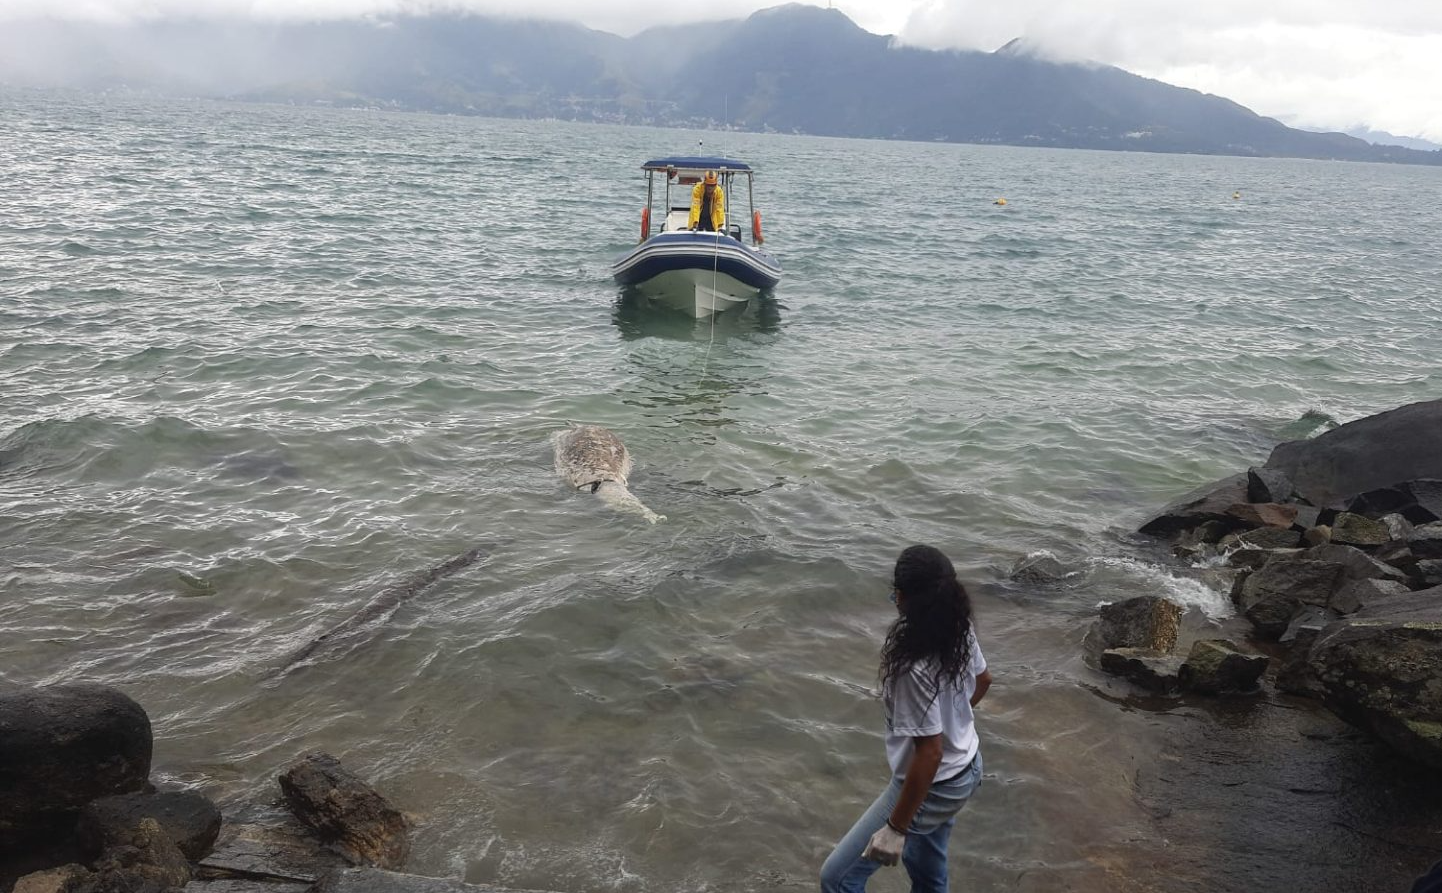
<point x="697" y="292"/>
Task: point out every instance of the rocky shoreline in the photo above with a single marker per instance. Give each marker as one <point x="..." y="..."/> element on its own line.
<point x="80" y="814"/>
<point x="1334" y="546"/>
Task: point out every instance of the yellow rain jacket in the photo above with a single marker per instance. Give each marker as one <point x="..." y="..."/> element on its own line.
<point x="718" y="206"/>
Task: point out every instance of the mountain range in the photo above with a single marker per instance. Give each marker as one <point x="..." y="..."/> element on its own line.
<point x="792" y="68"/>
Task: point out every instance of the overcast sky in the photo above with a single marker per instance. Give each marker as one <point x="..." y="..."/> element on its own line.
<point x="1311" y="63"/>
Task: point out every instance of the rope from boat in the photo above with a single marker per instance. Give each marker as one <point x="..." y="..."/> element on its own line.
<point x="711" y="339"/>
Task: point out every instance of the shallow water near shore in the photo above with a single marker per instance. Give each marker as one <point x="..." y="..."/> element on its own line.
<point x="261" y="363"/>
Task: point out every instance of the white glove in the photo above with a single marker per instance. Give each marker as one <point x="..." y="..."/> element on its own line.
<point x="885" y="846"/>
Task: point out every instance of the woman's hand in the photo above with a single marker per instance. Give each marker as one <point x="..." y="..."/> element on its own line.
<point x="885" y="846"/>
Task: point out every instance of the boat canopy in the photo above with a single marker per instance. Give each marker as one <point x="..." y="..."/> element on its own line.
<point x="703" y="162"/>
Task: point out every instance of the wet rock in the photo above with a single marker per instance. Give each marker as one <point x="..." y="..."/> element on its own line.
<point x="1397" y="555"/>
<point x="1263" y="538"/>
<point x="1356" y="564"/>
<point x="1271" y="596"/>
<point x="1268" y="485"/>
<point x="1317" y="536"/>
<point x="1429" y="572"/>
<point x="1147" y="621"/>
<point x="1381" y="669"/>
<point x="1263" y="515"/>
<point x="1215" y="666"/>
<point x="282" y="853"/>
<point x="1040" y="569"/>
<point x="1239" y="583"/>
<point x="369" y="880"/>
<point x="1251" y="559"/>
<point x="54" y="880"/>
<point x="1208" y="503"/>
<point x="1308" y="516"/>
<point x="1295" y="675"/>
<point x="1357" y="530"/>
<point x="1152" y="670"/>
<point x="1368" y="454"/>
<point x="1418" y="501"/>
<point x="346" y="812"/>
<point x="61" y="747"/>
<point x="1425" y="542"/>
<point x="191" y="821"/>
<point x="1309" y="617"/>
<point x="1354" y="594"/>
<point x="145" y="861"/>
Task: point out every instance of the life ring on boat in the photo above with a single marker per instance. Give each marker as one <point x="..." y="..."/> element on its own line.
<point x="645" y="223"/>
<point x="756" y="227"/>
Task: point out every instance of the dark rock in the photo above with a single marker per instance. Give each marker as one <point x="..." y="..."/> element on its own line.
<point x="54" y="880"/>
<point x="1430" y="571"/>
<point x="1147" y="621"/>
<point x="61" y="747"/>
<point x="1354" y="594"/>
<point x="1307" y="517"/>
<point x="1209" y="503"/>
<point x="346" y="812"/>
<point x="144" y="862"/>
<point x="191" y="821"/>
<point x="283" y="853"/>
<point x="1418" y="501"/>
<point x="1309" y="617"/>
<point x="1268" y="485"/>
<point x="1151" y="670"/>
<point x="1252" y="559"/>
<point x="1215" y="666"/>
<point x="1239" y="583"/>
<point x="369" y="880"/>
<point x="1295" y="676"/>
<point x="1357" y="565"/>
<point x="1382" y="670"/>
<point x="1356" y="530"/>
<point x="1040" y="569"/>
<point x="1425" y="542"/>
<point x="1368" y="454"/>
<point x="1272" y="595"/>
<point x="1265" y="514"/>
<point x="1397" y="555"/>
<point x="1263" y="538"/>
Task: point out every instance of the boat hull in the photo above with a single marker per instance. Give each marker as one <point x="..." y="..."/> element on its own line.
<point x="697" y="273"/>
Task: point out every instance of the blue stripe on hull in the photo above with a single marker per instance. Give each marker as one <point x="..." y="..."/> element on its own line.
<point x="686" y="251"/>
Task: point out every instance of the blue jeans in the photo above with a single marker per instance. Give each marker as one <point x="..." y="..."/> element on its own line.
<point x="924" y="854"/>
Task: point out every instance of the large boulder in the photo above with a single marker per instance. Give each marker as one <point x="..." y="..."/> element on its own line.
<point x="1381" y="669"/>
<point x="1425" y="541"/>
<point x="190" y="820"/>
<point x="61" y="747"/>
<point x="1368" y="454"/>
<point x="346" y="812"/>
<point x="1208" y="503"/>
<point x="1215" y="666"/>
<point x="1417" y="501"/>
<point x="1147" y="621"/>
<point x="1271" y="596"/>
<point x="145" y="861"/>
<point x="1269" y="485"/>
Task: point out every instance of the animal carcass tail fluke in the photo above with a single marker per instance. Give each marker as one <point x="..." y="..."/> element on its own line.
<point x="591" y="458"/>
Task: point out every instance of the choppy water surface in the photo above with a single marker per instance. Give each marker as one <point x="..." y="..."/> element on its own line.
<point x="259" y="363"/>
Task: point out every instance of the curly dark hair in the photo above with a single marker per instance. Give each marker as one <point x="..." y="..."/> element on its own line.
<point x="935" y="619"/>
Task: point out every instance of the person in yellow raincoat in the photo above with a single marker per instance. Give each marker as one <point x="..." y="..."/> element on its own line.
<point x="708" y="205"/>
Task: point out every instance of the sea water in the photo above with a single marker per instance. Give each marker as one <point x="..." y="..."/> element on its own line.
<point x="259" y="363"/>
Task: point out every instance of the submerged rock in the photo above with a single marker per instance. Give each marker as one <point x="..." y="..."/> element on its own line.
<point x="61" y="747"/>
<point x="1215" y="666"/>
<point x="1147" y="621"/>
<point x="346" y="812"/>
<point x="1381" y="669"/>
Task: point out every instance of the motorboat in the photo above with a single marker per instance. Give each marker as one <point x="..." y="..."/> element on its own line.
<point x="696" y="271"/>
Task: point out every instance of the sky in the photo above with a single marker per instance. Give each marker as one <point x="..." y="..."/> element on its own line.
<point x="1319" y="64"/>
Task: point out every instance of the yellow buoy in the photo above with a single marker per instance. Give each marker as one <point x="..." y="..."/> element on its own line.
<point x="1000" y="201"/>
<point x="1236" y="195"/>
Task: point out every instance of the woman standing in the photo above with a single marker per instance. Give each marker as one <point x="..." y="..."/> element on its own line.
<point x="932" y="675"/>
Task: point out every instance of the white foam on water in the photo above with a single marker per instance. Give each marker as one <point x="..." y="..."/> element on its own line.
<point x="1187" y="593"/>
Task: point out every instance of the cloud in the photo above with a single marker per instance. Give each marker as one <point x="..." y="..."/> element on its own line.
<point x="1320" y="63"/>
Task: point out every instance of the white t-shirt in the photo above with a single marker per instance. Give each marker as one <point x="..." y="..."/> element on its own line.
<point x="915" y="709"/>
